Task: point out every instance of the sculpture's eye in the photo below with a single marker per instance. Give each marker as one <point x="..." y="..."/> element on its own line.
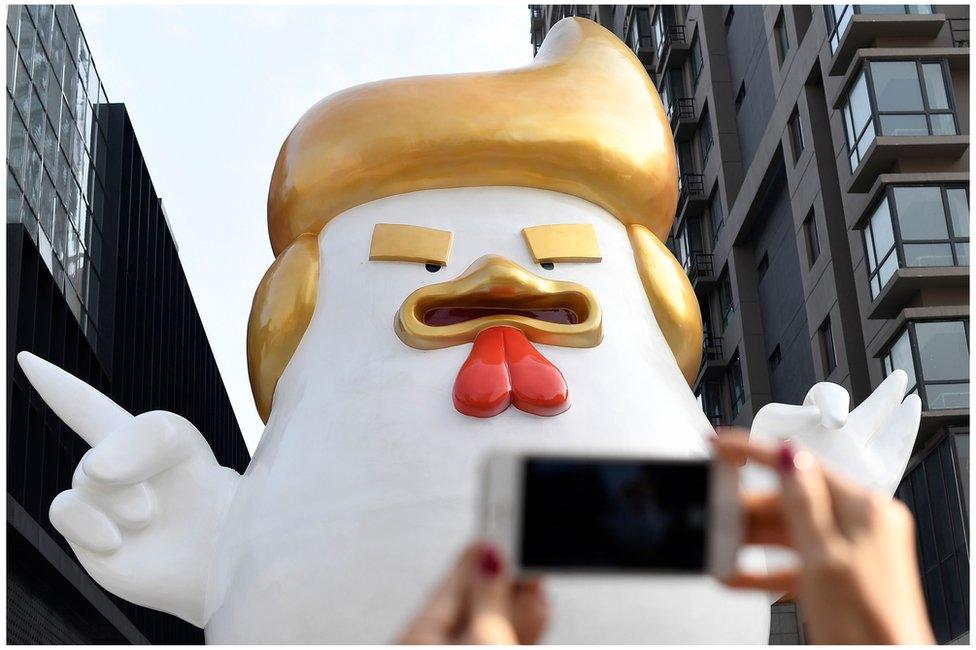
<point x="394" y="242"/>
<point x="567" y="242"/>
<point x="547" y="265"/>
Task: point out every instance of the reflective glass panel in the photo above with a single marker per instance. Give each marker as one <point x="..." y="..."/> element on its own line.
<point x="962" y="254"/>
<point x="887" y="270"/>
<point x="943" y="350"/>
<point x="881" y="9"/>
<point x="860" y="105"/>
<point x="928" y="255"/>
<point x="884" y="238"/>
<point x="943" y="124"/>
<point x="959" y="210"/>
<point x="904" y="125"/>
<point x="896" y="86"/>
<point x="920" y="213"/>
<point x="934" y="86"/>
<point x="901" y="357"/>
<point x="947" y="396"/>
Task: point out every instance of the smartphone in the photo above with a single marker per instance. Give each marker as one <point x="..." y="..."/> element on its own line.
<point x="593" y="514"/>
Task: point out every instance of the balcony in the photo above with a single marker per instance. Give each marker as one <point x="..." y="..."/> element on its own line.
<point x="681" y="114"/>
<point x="886" y="151"/>
<point x="909" y="286"/>
<point x="700" y="269"/>
<point x="864" y="29"/>
<point x="712" y="364"/>
<point x="959" y="30"/>
<point x="691" y="198"/>
<point x="674" y="50"/>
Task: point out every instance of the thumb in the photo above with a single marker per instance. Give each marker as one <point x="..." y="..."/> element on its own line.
<point x="490" y="600"/>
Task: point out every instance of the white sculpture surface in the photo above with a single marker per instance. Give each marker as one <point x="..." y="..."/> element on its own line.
<point x="364" y="484"/>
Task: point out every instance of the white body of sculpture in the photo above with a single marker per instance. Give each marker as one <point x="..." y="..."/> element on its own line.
<point x="365" y="483"/>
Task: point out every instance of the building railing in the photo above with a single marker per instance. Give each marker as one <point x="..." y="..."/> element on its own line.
<point x="675" y="35"/>
<point x="682" y="108"/>
<point x="711" y="347"/>
<point x="692" y="184"/>
<point x="699" y="265"/>
<point x="959" y="29"/>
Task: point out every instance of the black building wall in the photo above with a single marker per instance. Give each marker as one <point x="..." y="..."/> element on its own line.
<point x="781" y="300"/>
<point x="151" y="353"/>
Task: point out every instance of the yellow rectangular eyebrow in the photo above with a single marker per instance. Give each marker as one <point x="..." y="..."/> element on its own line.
<point x="569" y="242"/>
<point x="393" y="242"/>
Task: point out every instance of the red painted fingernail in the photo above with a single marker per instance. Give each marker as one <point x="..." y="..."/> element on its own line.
<point x="491" y="562"/>
<point x="786" y="459"/>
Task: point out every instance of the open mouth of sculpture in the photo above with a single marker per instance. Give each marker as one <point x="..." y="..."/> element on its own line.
<point x="497" y="292"/>
<point x="447" y="315"/>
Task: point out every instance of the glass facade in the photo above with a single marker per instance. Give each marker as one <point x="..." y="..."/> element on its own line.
<point x="56" y="150"/>
<point x="916" y="226"/>
<point x="737" y="393"/>
<point x="935" y="354"/>
<point x="839" y="16"/>
<point x="936" y="491"/>
<point x="897" y="98"/>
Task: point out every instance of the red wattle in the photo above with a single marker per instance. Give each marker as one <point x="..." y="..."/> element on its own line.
<point x="483" y="388"/>
<point x="505" y="368"/>
<point x="537" y="386"/>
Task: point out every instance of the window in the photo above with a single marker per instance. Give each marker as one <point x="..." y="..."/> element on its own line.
<point x="660" y="30"/>
<point x="696" y="61"/>
<point x="812" y="236"/>
<point x="935" y="354"/>
<point x="639" y="37"/>
<point x="710" y="401"/>
<point x="839" y="17"/>
<point x="737" y="394"/>
<point x="726" y="306"/>
<point x="740" y="97"/>
<point x="716" y="217"/>
<point x="775" y="358"/>
<point x="896" y="98"/>
<point x="672" y="91"/>
<point x="705" y="140"/>
<point x="763" y="266"/>
<point x="782" y="38"/>
<point x="796" y="133"/>
<point x="827" y="354"/>
<point x="916" y="226"/>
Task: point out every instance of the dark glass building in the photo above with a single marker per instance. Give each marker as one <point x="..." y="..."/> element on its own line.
<point x="95" y="285"/>
<point x="823" y="221"/>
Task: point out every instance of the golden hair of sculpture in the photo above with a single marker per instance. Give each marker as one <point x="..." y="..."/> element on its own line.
<point x="582" y="119"/>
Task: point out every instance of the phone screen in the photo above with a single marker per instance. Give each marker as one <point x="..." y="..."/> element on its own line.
<point x="614" y="515"/>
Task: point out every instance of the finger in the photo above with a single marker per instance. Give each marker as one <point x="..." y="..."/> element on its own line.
<point x="833" y="402"/>
<point x="764" y="520"/>
<point x="778" y="421"/>
<point x="490" y="601"/>
<point x="734" y="447"/>
<point x="778" y="581"/>
<point x="530" y="611"/>
<point x="85" y="410"/>
<point x="892" y="447"/>
<point x="83" y="524"/>
<point x="807" y="508"/>
<point x="868" y="419"/>
<point x="132" y="506"/>
<point x="442" y="611"/>
<point x="151" y="443"/>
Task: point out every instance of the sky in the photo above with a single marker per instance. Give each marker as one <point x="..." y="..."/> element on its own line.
<point x="213" y="91"/>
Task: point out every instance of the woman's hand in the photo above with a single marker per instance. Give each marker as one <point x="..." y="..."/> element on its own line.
<point x="858" y="581"/>
<point x="479" y="602"/>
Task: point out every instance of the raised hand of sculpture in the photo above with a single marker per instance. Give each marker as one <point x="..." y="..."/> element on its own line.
<point x="146" y="502"/>
<point x="463" y="263"/>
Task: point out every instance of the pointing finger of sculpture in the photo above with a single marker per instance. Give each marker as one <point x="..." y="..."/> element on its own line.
<point x="89" y="413"/>
<point x="84" y="524"/>
<point x="131" y="506"/>
<point x="149" y="444"/>
<point x="873" y="414"/>
<point x="891" y="448"/>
